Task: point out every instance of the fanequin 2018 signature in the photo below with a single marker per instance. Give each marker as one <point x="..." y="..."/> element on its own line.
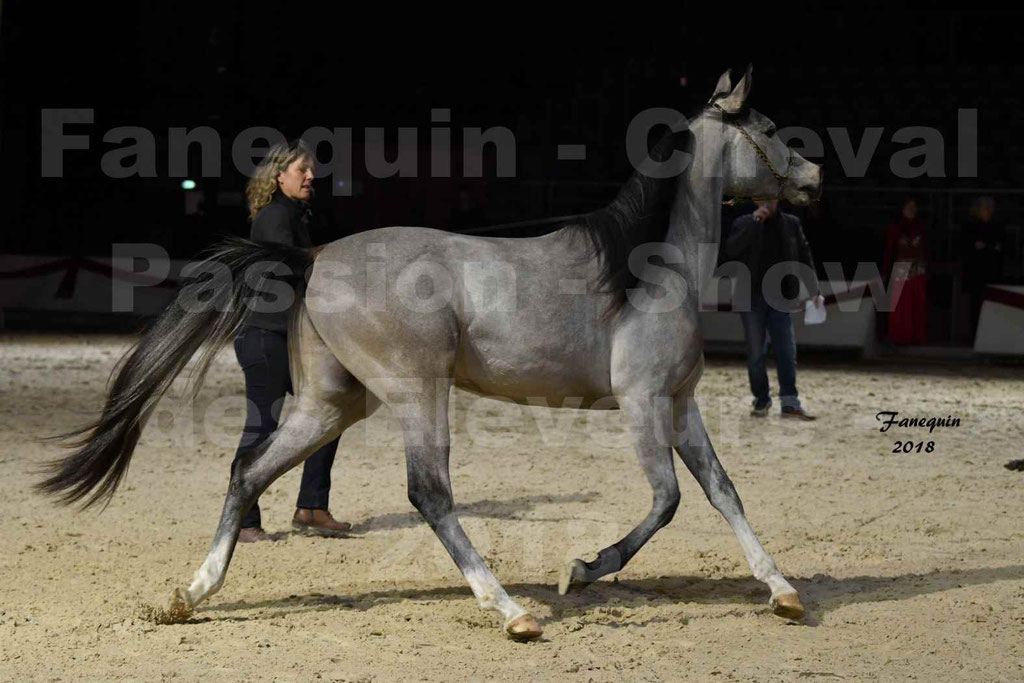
<point x="890" y="418"/>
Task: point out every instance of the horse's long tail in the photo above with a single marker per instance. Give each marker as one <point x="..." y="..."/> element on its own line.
<point x="206" y="312"/>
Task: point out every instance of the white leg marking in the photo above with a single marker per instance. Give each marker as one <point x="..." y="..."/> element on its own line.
<point x="762" y="566"/>
<point x="210" y="576"/>
<point x="490" y="595"/>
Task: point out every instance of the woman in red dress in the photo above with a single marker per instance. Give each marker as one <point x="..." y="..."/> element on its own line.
<point x="905" y="259"/>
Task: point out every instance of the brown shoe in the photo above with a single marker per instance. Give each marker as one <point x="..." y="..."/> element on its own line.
<point x="318" y="523"/>
<point x="798" y="413"/>
<point x="253" y="534"/>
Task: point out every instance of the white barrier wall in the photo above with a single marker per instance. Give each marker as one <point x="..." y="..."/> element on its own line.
<point x="850" y="321"/>
<point x="1001" y="324"/>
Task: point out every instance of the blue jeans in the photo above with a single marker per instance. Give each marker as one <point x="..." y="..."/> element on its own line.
<point x="263" y="355"/>
<point x="759" y="323"/>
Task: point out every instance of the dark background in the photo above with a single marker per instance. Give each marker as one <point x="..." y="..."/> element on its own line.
<point x="550" y="78"/>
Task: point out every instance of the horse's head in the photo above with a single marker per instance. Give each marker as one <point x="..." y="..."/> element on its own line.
<point x="755" y="162"/>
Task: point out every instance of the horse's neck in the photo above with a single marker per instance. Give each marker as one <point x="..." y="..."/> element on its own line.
<point x="696" y="220"/>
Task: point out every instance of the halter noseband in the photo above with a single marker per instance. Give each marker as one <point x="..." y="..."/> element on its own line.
<point x="781" y="178"/>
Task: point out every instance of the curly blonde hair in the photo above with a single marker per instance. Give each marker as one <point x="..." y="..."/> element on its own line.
<point x="261" y="187"/>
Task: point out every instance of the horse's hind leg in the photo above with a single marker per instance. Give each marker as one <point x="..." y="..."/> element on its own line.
<point x="306" y="429"/>
<point x="699" y="456"/>
<point x="328" y="402"/>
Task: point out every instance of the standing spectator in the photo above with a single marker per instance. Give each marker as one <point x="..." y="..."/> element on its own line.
<point x="763" y="239"/>
<point x="905" y="262"/>
<point x="984" y="244"/>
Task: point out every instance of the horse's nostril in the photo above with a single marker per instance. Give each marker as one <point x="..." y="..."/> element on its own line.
<point x="812" y="190"/>
<point x="813" y="186"/>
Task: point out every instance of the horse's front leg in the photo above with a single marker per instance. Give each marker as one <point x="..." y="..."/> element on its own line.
<point x="427" y="446"/>
<point x="649" y="423"/>
<point x="699" y="456"/>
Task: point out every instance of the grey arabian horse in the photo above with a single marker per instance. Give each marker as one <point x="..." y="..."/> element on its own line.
<point x="600" y="314"/>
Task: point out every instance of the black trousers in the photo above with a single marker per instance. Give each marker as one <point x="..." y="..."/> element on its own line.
<point x="263" y="355"/>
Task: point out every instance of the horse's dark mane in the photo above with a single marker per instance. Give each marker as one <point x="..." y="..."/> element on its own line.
<point x="639" y="214"/>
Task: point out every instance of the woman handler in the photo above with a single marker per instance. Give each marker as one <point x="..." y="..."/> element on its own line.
<point x="278" y="194"/>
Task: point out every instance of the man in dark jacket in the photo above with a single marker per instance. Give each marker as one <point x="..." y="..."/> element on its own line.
<point x="773" y="247"/>
<point x="984" y="246"/>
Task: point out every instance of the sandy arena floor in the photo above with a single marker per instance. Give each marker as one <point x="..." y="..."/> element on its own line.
<point x="911" y="565"/>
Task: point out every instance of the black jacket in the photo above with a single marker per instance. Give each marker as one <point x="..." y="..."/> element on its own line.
<point x="746" y="243"/>
<point x="285" y="221"/>
<point x="983" y="265"/>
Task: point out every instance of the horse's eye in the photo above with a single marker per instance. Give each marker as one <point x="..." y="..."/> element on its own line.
<point x="770" y="132"/>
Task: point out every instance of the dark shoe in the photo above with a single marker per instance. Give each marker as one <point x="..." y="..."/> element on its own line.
<point x="798" y="413"/>
<point x="318" y="523"/>
<point x="253" y="534"/>
<point x="760" y="409"/>
<point x="1017" y="465"/>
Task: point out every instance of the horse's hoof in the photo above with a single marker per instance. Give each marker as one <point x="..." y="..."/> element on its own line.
<point x="574" y="575"/>
<point x="181" y="607"/>
<point x="788" y="606"/>
<point x="524" y="628"/>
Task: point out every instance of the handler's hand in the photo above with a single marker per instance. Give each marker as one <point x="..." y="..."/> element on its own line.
<point x="761" y="214"/>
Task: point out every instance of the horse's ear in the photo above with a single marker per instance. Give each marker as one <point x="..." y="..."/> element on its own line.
<point x="738" y="97"/>
<point x="723" y="88"/>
